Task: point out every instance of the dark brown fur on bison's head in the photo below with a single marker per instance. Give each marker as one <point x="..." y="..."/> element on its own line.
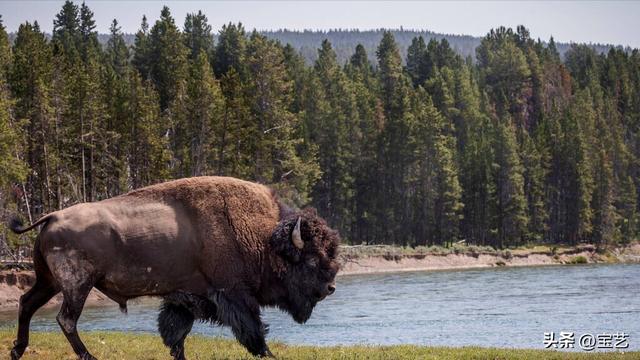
<point x="307" y="274"/>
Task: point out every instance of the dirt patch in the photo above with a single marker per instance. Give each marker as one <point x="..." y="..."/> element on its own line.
<point x="629" y="254"/>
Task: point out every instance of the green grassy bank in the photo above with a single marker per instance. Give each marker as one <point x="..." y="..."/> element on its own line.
<point x="118" y="345"/>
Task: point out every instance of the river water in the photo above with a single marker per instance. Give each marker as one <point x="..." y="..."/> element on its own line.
<point x="498" y="307"/>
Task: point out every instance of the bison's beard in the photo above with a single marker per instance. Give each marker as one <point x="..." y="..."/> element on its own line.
<point x="299" y="309"/>
<point x="302" y="313"/>
<point x="298" y="304"/>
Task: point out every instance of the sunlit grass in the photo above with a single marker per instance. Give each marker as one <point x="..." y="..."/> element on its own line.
<point x="121" y="345"/>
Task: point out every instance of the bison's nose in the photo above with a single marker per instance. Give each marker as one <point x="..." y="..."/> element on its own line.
<point x="331" y="288"/>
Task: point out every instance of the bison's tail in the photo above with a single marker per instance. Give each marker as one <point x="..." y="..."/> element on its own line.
<point x="16" y="224"/>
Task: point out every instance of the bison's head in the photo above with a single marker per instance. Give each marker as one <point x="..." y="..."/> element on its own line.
<point x="306" y="250"/>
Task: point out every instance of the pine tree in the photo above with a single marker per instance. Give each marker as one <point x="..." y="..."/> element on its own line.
<point x="81" y="110"/>
<point x="197" y="35"/>
<point x="30" y="77"/>
<point x="66" y="30"/>
<point x="605" y="231"/>
<point x="360" y="61"/>
<point x="441" y="86"/>
<point x="417" y="61"/>
<point x="100" y="133"/>
<point x="115" y="85"/>
<point x="230" y="66"/>
<point x="534" y="162"/>
<point x="552" y="51"/>
<point x="473" y="132"/>
<point x="88" y="35"/>
<point x="626" y="206"/>
<point x="511" y="201"/>
<point x="580" y="123"/>
<point x="116" y="50"/>
<point x="167" y="58"/>
<point x="464" y="104"/>
<point x="441" y="54"/>
<point x="148" y="151"/>
<point x="232" y="132"/>
<point x="395" y="154"/>
<point x="205" y="112"/>
<point x="435" y="186"/>
<point x="13" y="170"/>
<point x="505" y="73"/>
<point x="230" y="50"/>
<point x="142" y="50"/>
<point x="582" y="62"/>
<point x="272" y="142"/>
<point x="331" y="117"/>
<point x="479" y="223"/>
<point x="369" y="126"/>
<point x="296" y="72"/>
<point x="168" y="71"/>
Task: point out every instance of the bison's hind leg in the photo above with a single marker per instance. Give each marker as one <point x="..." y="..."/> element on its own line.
<point x="174" y="323"/>
<point x="41" y="292"/>
<point x="68" y="317"/>
<point x="76" y="277"/>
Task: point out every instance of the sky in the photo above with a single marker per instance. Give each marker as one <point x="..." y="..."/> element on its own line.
<point x="608" y="22"/>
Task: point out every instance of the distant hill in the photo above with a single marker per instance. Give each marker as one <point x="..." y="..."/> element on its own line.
<point x="345" y="41"/>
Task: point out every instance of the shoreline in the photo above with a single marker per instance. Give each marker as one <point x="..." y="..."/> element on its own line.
<point x="386" y="259"/>
<point x="14" y="283"/>
<point x="365" y="260"/>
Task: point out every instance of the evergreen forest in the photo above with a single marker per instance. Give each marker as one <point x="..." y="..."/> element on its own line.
<point x="513" y="144"/>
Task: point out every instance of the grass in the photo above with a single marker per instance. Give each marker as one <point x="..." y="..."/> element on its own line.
<point x="578" y="260"/>
<point x="361" y="251"/>
<point x="120" y="345"/>
<point x="393" y="252"/>
<point x="610" y="254"/>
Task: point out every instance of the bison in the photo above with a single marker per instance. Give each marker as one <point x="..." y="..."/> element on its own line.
<point x="213" y="248"/>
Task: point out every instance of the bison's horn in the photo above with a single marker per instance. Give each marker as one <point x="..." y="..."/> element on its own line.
<point x="296" y="238"/>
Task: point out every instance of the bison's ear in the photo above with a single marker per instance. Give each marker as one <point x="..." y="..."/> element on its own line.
<point x="286" y="239"/>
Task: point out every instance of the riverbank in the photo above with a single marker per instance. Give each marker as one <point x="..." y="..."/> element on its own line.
<point x="14" y="283"/>
<point x="357" y="260"/>
<point x="119" y="345"/>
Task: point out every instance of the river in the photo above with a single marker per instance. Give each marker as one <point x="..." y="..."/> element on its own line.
<point x="503" y="307"/>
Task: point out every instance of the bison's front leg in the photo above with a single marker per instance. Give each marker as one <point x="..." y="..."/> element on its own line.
<point x="242" y="313"/>
<point x="175" y="322"/>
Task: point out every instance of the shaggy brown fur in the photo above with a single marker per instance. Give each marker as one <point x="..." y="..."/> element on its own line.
<point x="215" y="248"/>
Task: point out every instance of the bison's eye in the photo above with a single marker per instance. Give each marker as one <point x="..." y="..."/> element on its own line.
<point x="312" y="262"/>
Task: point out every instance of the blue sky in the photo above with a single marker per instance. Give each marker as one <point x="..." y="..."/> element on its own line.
<point x="615" y="22"/>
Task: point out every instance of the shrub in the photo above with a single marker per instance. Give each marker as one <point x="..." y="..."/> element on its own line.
<point x="578" y="260"/>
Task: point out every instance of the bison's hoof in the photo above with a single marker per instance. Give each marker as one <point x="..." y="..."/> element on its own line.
<point x="87" y="356"/>
<point x="16" y="353"/>
<point x="178" y="354"/>
<point x="267" y="354"/>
